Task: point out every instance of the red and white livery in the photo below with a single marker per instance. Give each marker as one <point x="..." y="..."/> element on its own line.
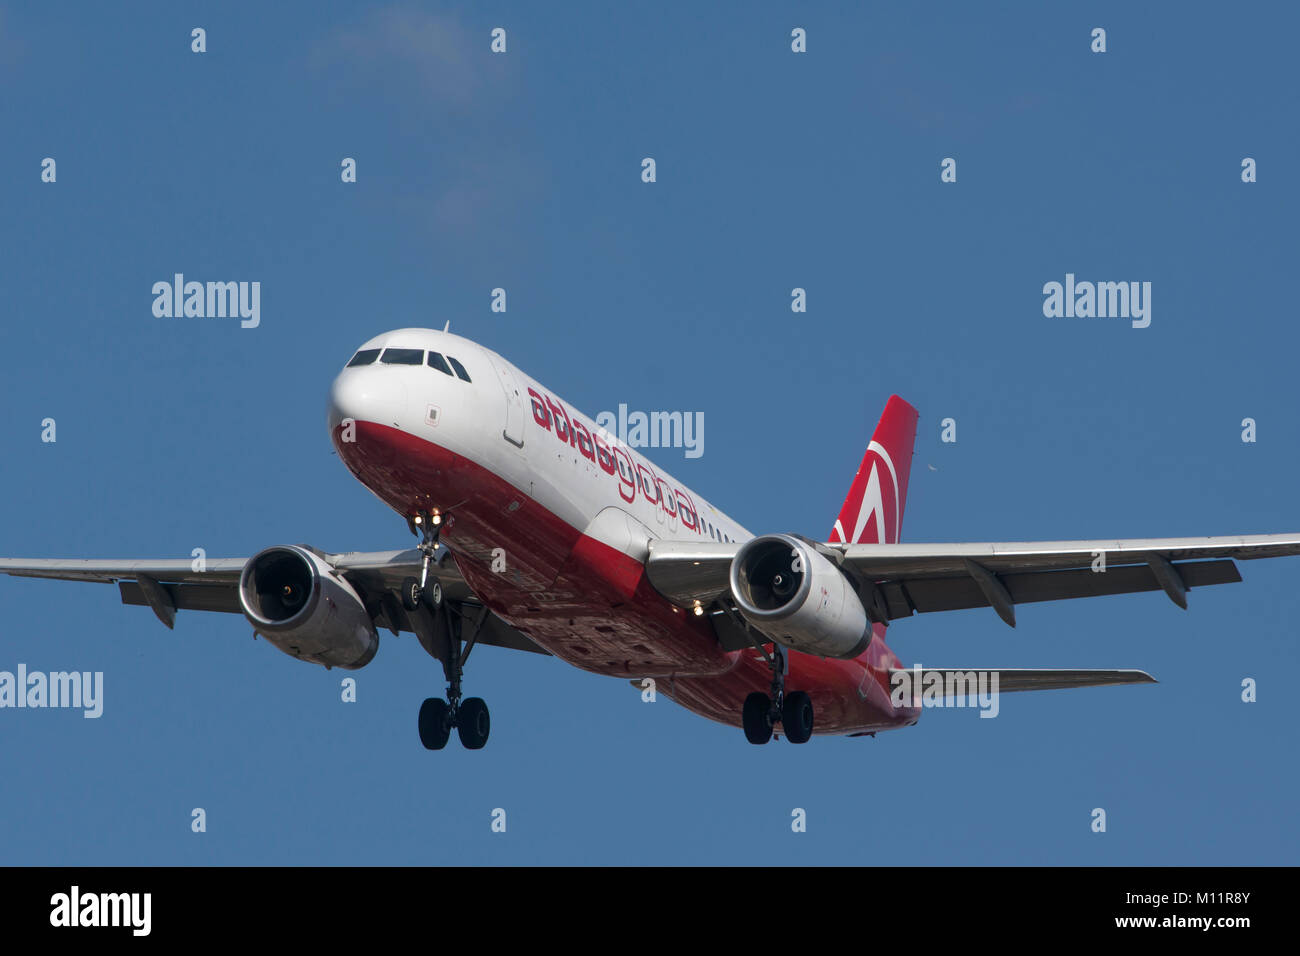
<point x="541" y="532"/>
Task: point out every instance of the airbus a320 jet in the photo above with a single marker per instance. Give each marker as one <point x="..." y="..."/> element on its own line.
<point x="541" y="532"/>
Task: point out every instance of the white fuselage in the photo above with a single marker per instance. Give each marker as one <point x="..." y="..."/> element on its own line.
<point x="511" y="425"/>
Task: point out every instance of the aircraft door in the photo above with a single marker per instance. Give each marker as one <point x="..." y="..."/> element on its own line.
<point x="513" y="430"/>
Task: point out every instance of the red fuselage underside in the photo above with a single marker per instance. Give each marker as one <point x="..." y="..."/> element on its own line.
<point x="592" y="605"/>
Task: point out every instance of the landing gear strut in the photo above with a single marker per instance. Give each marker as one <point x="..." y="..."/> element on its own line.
<point x="792" y="710"/>
<point x="469" y="716"/>
<point x="428" y="525"/>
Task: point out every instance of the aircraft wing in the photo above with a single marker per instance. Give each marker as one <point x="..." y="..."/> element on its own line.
<point x="168" y="586"/>
<point x="898" y="580"/>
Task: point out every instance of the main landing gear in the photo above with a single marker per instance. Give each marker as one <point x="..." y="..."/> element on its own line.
<point x="469" y="716"/>
<point x="456" y="631"/>
<point x="793" y="710"/>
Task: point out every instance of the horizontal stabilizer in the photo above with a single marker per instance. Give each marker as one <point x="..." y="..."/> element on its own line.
<point x="1020" y="678"/>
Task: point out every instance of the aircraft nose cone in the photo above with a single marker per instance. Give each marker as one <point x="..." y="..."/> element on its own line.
<point x="366" y="395"/>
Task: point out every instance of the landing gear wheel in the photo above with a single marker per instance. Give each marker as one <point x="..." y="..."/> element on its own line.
<point x="460" y="630"/>
<point x="797" y="717"/>
<point x="473" y="723"/>
<point x="435" y="724"/>
<point x="411" y="594"/>
<point x="757" y="718"/>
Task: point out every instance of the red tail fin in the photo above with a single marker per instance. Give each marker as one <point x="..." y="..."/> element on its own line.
<point x="873" y="511"/>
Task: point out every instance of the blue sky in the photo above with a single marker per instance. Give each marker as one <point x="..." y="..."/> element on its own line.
<point x="775" y="170"/>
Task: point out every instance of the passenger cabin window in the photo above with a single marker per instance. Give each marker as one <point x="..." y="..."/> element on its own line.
<point x="364" y="357"/>
<point x="437" y="361"/>
<point x="460" y="369"/>
<point x="403" y="357"/>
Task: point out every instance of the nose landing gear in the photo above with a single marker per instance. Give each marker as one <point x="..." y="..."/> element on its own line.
<point x="428" y="525"/>
<point x="448" y="630"/>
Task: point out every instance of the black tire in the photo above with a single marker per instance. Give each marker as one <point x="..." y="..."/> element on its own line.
<point x="411" y="594"/>
<point x="435" y="729"/>
<point x="757" y="718"/>
<point x="797" y="717"/>
<point x="473" y="723"/>
<point x="432" y="594"/>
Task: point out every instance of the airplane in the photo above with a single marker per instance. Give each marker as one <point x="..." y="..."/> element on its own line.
<point x="541" y="531"/>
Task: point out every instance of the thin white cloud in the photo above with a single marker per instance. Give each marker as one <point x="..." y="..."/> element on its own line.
<point x="430" y="54"/>
<point x="437" y="74"/>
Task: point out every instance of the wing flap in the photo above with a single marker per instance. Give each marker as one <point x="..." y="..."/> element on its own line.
<point x="186" y="597"/>
<point x="927" y="594"/>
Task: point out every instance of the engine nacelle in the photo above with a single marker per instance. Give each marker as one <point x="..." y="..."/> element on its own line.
<point x="305" y="608"/>
<point x="794" y="595"/>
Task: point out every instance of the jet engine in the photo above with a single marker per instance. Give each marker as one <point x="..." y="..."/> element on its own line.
<point x="792" y="594"/>
<point x="299" y="603"/>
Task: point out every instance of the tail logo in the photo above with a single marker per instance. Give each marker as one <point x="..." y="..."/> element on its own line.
<point x="872" y="503"/>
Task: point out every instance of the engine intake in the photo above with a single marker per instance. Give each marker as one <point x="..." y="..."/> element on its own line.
<point x="298" y="602"/>
<point x="795" y="596"/>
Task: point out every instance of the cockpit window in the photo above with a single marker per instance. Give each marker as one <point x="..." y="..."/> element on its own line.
<point x="364" y="357"/>
<point x="460" y="369"/>
<point x="403" y="357"/>
<point x="437" y="361"/>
